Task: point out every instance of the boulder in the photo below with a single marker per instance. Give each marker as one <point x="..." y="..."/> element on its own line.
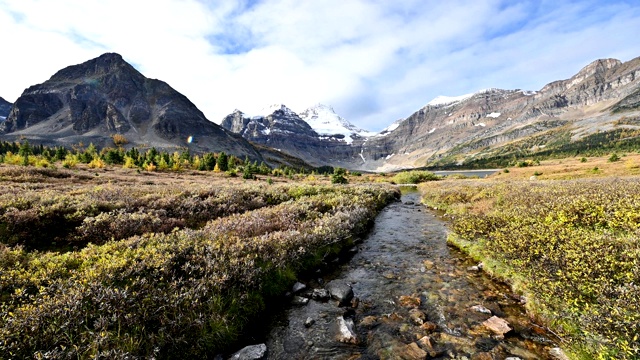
<point x="346" y="334"/>
<point x="417" y="316"/>
<point x="253" y="352"/>
<point x="320" y="295"/>
<point x="340" y="291"/>
<point x="481" y="309"/>
<point x="299" y="300"/>
<point x="297" y="287"/>
<point x="309" y="322"/>
<point x="369" y="321"/>
<point x="409" y="301"/>
<point x="412" y="352"/>
<point x="557" y="354"/>
<point x="426" y="345"/>
<point x="482" y="356"/>
<point x="497" y="325"/>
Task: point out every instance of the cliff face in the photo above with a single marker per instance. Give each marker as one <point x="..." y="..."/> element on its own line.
<point x="92" y="101"/>
<point x="5" y="107"/>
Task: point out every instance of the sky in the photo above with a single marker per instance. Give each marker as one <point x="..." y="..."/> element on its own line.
<point x="373" y="61"/>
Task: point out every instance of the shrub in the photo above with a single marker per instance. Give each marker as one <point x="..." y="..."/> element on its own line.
<point x="338" y="176"/>
<point x="614" y="157"/>
<point x="69" y="162"/>
<point x="119" y="139"/>
<point x="414" y="177"/>
<point x="97" y="163"/>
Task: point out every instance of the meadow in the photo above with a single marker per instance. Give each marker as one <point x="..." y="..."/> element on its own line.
<point x="571" y="247"/>
<point x="117" y="263"/>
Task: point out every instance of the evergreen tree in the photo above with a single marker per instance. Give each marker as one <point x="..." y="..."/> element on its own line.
<point x="222" y="162"/>
<point x="208" y="161"/>
<point x="25" y="149"/>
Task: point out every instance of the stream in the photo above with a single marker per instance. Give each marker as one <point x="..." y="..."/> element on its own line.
<point x="415" y="298"/>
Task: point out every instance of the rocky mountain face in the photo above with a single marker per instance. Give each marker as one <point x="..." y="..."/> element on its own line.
<point x="284" y="130"/>
<point x="92" y="101"/>
<point x="478" y="124"/>
<point x="451" y="130"/>
<point x="5" y="107"/>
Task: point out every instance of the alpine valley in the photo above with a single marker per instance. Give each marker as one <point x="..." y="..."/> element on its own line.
<point x="91" y="102"/>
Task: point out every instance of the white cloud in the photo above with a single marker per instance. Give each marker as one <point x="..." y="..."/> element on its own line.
<point x="373" y="61"/>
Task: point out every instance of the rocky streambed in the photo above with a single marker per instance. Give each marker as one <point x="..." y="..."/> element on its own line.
<point x="405" y="295"/>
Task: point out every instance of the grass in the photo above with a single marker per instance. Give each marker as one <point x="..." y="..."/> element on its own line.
<point x="571" y="246"/>
<point x="576" y="168"/>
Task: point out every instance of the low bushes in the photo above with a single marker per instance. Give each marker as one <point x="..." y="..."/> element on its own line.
<point x="571" y="246"/>
<point x="47" y="218"/>
<point x="185" y="294"/>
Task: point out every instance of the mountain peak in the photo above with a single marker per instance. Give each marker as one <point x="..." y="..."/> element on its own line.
<point x="103" y="64"/>
<point x="275" y="107"/>
<point x="324" y="120"/>
<point x="599" y="65"/>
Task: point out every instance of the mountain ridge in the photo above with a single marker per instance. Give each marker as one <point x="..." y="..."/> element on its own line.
<point x="453" y="129"/>
<point x="91" y="101"/>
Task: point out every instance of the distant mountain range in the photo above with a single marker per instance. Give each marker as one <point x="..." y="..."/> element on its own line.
<point x="92" y="101"/>
<point x="453" y="130"/>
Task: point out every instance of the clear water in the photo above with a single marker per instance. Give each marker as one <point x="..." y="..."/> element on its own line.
<point x="406" y="255"/>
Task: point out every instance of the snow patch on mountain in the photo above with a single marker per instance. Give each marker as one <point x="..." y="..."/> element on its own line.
<point x="386" y="131"/>
<point x="448" y="100"/>
<point x="432" y="131"/>
<point x="324" y="120"/>
<point x="493" y="115"/>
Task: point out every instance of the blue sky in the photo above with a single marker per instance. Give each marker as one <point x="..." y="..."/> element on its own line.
<point x="374" y="61"/>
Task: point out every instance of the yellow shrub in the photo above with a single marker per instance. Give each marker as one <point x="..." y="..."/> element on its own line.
<point x="97" y="163"/>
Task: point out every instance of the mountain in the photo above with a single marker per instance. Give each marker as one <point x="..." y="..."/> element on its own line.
<point x="284" y="130"/>
<point x="603" y="96"/>
<point x="92" y="101"/>
<point x="5" y="107"/>
<point x="324" y="121"/>
<point x="490" y="122"/>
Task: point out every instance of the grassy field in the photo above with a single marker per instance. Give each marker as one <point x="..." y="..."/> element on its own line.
<point x="116" y="263"/>
<point x="576" y="168"/>
<point x="572" y="247"/>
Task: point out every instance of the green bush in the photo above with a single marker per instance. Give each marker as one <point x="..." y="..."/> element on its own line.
<point x="338" y="176"/>
<point x="614" y="157"/>
<point x="414" y="177"/>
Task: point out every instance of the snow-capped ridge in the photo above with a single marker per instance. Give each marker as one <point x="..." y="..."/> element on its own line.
<point x="324" y="120"/>
<point x="448" y="100"/>
<point x="386" y="131"/>
<point x="452" y="100"/>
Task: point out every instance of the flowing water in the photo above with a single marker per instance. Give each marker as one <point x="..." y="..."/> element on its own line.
<point x="401" y="270"/>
